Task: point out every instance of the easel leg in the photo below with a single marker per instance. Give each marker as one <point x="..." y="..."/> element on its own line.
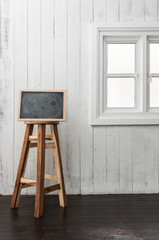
<point x="22" y="166"/>
<point x="58" y="165"/>
<point x="39" y="199"/>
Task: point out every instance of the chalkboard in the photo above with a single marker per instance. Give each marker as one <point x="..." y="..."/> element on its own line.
<point x="41" y="105"/>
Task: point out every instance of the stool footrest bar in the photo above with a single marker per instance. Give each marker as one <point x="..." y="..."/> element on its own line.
<point x="28" y="181"/>
<point x="51" y="188"/>
<point x="50" y="176"/>
<point x="47" y="145"/>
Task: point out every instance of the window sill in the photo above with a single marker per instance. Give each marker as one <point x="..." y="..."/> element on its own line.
<point x="127" y="119"/>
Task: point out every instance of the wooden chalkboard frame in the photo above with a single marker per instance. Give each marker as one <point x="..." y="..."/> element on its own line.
<point x="42" y="119"/>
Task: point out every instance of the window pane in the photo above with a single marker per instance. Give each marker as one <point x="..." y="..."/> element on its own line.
<point x="154" y="92"/>
<point x="154" y="57"/>
<point x="121" y="58"/>
<point x="120" y="92"/>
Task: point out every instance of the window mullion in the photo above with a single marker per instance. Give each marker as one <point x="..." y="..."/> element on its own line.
<point x="145" y="86"/>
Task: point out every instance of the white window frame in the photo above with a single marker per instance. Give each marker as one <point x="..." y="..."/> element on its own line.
<point x="143" y="115"/>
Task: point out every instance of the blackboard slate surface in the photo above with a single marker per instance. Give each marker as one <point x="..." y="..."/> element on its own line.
<point x="41" y="105"/>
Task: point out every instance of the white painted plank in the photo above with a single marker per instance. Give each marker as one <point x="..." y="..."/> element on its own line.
<point x="7" y="89"/>
<point x="151" y="10"/>
<point x="99" y="10"/>
<point x="113" y="160"/>
<point x="138" y="149"/>
<point x="60" y="73"/>
<point x="34" y="69"/>
<point x="73" y="64"/>
<point x="125" y="10"/>
<point x="20" y="72"/>
<point x="85" y="128"/>
<point x="60" y="44"/>
<point x="100" y="160"/>
<point x="47" y="67"/>
<point x="47" y="44"/>
<point x="112" y="8"/>
<point x="151" y="161"/>
<point x="138" y="11"/>
<point x="125" y="160"/>
<point x="34" y="44"/>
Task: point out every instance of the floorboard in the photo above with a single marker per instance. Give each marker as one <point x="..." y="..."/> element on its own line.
<point x="92" y="217"/>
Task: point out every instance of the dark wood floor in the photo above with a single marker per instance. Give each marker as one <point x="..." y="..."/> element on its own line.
<point x="130" y="217"/>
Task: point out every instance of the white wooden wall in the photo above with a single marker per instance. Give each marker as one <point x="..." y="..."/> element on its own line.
<point x="46" y="45"/>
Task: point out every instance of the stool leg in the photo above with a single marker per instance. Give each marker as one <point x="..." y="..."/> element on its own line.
<point x="58" y="165"/>
<point x="39" y="198"/>
<point x="22" y="166"/>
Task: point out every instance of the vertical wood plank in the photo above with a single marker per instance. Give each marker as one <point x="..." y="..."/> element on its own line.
<point x="150" y="10"/>
<point x="47" y="64"/>
<point x="99" y="10"/>
<point x="73" y="96"/>
<point x="99" y="160"/>
<point x="138" y="11"/>
<point x="113" y="159"/>
<point x="125" y="160"/>
<point x="125" y="10"/>
<point x="20" y="73"/>
<point x="85" y="129"/>
<point x="34" y="68"/>
<point x="112" y="8"/>
<point x="47" y="44"/>
<point x="34" y="44"/>
<point x="39" y="198"/>
<point x="138" y="149"/>
<point x="151" y="161"/>
<point x="60" y="44"/>
<point x="7" y="98"/>
<point x="60" y="72"/>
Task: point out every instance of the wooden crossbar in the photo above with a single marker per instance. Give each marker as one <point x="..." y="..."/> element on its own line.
<point x="26" y="185"/>
<point x="50" y="176"/>
<point x="35" y="138"/>
<point x="47" y="145"/>
<point x="51" y="188"/>
<point x="28" y="181"/>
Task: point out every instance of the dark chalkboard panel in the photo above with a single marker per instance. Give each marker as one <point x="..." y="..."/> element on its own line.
<point x="41" y="105"/>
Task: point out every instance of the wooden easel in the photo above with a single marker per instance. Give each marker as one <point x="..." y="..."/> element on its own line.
<point x="22" y="182"/>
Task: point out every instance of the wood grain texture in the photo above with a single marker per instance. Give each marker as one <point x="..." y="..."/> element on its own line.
<point x="86" y="142"/>
<point x="100" y="167"/>
<point x="99" y="10"/>
<point x="20" y="72"/>
<point x="46" y="44"/>
<point x="39" y="198"/>
<point x="34" y="67"/>
<point x="73" y="110"/>
<point x="125" y="10"/>
<point x="60" y="69"/>
<point x="112" y="9"/>
<point x="22" y="167"/>
<point x="58" y="165"/>
<point x="7" y="90"/>
<point x="113" y="159"/>
<point x="125" y="149"/>
<point x="151" y="10"/>
<point x="138" y="10"/>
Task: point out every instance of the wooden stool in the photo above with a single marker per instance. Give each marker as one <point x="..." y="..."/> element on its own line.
<point x="39" y="142"/>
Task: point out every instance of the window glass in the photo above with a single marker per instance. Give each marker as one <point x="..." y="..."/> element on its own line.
<point x="154" y="92"/>
<point x="120" y="92"/>
<point x="154" y="57"/>
<point x="121" y="58"/>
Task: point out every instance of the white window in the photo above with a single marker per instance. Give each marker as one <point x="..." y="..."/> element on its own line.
<point x="125" y="75"/>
